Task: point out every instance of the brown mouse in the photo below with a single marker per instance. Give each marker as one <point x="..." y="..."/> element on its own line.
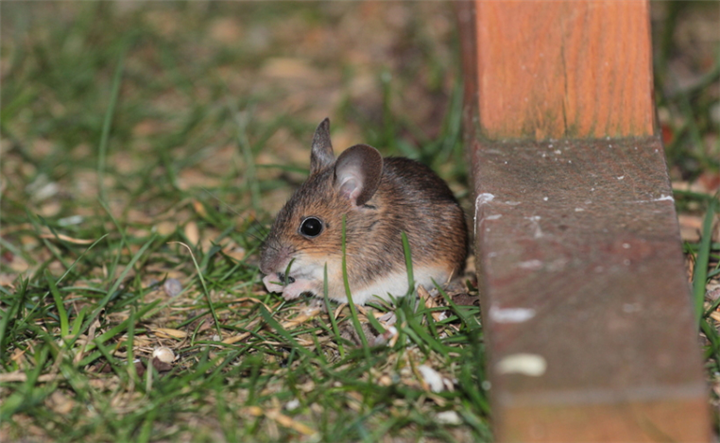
<point x="380" y="199"/>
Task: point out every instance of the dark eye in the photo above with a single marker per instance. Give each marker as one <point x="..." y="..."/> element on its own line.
<point x="311" y="227"/>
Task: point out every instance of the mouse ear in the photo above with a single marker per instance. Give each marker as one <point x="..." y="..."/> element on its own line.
<point x="357" y="173"/>
<point x="322" y="154"/>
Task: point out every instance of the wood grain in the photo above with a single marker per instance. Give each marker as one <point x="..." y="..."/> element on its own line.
<point x="551" y="69"/>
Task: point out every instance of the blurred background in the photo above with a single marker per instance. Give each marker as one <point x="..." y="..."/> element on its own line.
<point x="208" y="87"/>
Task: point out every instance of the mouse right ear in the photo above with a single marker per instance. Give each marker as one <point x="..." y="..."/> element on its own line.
<point x="322" y="154"/>
<point x="357" y="173"/>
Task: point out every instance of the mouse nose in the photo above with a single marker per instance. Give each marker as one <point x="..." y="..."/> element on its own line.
<point x="284" y="278"/>
<point x="274" y="257"/>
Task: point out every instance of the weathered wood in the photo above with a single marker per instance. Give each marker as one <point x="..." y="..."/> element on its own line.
<point x="586" y="306"/>
<point x="580" y="261"/>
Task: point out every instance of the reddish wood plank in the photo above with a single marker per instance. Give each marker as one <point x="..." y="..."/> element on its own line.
<point x="550" y="69"/>
<point x="586" y="307"/>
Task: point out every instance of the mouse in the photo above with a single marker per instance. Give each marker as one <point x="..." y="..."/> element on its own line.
<point x="376" y="199"/>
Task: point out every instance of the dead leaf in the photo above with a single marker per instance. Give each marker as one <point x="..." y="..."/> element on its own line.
<point x="60" y="403"/>
<point x="288" y="422"/>
<point x="234" y="339"/>
<point x="225" y="30"/>
<point x="169" y="333"/>
<point x="289" y="69"/>
<point x="715" y="315"/>
<point x="19" y="376"/>
<point x="166" y="228"/>
<point x="235" y="252"/>
<point x="199" y="209"/>
<point x="77" y="241"/>
<point x="192" y="233"/>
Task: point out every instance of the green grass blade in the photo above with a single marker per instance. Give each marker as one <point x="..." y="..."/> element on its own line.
<point x="333" y="322"/>
<point x="11" y="312"/>
<point x="123" y="239"/>
<point x="30" y="393"/>
<point x="426" y="339"/>
<point x="241" y="123"/>
<point x="122" y="276"/>
<point x="107" y="124"/>
<point x="129" y="345"/>
<point x="702" y="259"/>
<point x="348" y="294"/>
<point x="267" y="316"/>
<point x="205" y="290"/>
<point x="59" y="303"/>
<point x="114" y="332"/>
<point x="77" y="323"/>
<point x="408" y="264"/>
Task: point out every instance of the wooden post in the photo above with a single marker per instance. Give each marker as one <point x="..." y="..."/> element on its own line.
<point x="586" y="306"/>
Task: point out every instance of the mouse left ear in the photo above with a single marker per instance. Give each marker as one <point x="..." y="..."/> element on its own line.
<point x="322" y="154"/>
<point x="357" y="173"/>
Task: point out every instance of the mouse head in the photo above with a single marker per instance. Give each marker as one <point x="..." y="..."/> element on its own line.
<point x="308" y="229"/>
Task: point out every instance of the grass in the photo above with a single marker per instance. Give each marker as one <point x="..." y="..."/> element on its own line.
<point x="139" y="152"/>
<point x="686" y="102"/>
<point x="145" y="148"/>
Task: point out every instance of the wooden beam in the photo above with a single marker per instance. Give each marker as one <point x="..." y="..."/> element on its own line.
<point x="551" y="69"/>
<point x="586" y="306"/>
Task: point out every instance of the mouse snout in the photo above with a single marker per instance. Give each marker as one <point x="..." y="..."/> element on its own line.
<point x="274" y="257"/>
<point x="283" y="278"/>
<point x="277" y="282"/>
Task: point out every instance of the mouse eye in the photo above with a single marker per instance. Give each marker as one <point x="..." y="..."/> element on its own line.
<point x="311" y="227"/>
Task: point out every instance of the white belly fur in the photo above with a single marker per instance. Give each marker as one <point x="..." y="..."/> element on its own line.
<point x="395" y="284"/>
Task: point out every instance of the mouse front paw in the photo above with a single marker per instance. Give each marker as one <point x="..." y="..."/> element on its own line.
<point x="293" y="291"/>
<point x="272" y="283"/>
